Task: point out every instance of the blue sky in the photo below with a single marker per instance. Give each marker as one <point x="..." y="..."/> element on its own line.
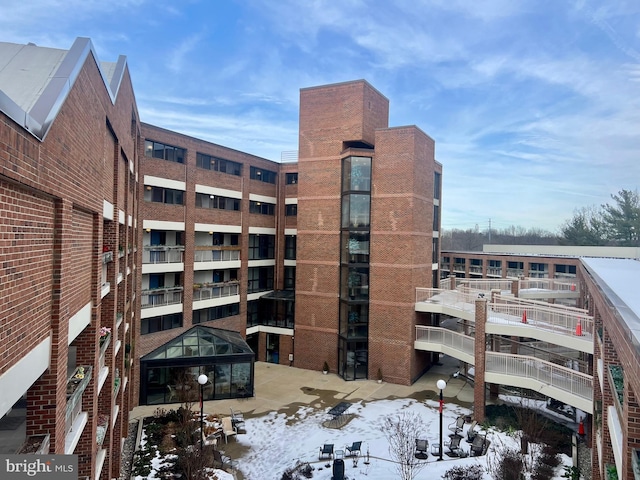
<point x="534" y="104"/>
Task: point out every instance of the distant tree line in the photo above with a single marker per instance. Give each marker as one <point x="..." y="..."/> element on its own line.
<point x="616" y="224"/>
<point x="613" y="224"/>
<point x="472" y="240"/>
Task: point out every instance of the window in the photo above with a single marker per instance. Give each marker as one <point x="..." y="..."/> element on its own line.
<point x="252" y="313"/>
<point x="158" y="324"/>
<point x="260" y="279"/>
<point x="262" y="175"/>
<point x="356" y="174"/>
<point x="355" y="211"/>
<point x="218" y="164"/>
<point x="204" y="200"/>
<point x="290" y="247"/>
<point x="436" y="218"/>
<point x="437" y="184"/>
<point x="291" y="210"/>
<point x="164" y="152"/>
<point x="215" y="313"/>
<point x="434" y="254"/>
<point x="289" y="278"/>
<point x="262" y="247"/>
<point x="164" y="195"/>
<point x="291" y="178"/>
<point x="261" y="208"/>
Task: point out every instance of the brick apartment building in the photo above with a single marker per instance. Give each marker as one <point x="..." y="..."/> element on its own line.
<point x="69" y="134"/>
<point x="188" y="253"/>
<point x="313" y="261"/>
<point x="591" y="292"/>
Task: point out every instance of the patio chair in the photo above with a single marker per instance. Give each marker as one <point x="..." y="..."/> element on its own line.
<point x="221" y="461"/>
<point x="454" y="446"/>
<point x="228" y="429"/>
<point x="237" y="418"/>
<point x="326" y="451"/>
<point x="422" y="446"/>
<point x="457" y="426"/>
<point x="209" y="440"/>
<point x="479" y="445"/>
<point x="353" y="450"/>
<point x="472" y="432"/>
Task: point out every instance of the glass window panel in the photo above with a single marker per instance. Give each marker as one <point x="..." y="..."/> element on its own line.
<point x="360" y="173"/>
<point x="359" y="211"/>
<point x="174" y="352"/>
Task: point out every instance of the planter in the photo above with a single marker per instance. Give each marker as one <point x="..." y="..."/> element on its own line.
<point x="35" y="445"/>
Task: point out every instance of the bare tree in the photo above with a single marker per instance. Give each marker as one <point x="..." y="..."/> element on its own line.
<point x="401" y="431"/>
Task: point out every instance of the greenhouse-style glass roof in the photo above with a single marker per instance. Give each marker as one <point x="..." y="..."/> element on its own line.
<point x="201" y="341"/>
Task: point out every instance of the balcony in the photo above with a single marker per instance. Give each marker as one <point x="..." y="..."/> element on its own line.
<point x="76" y="386"/>
<point x="104" y="343"/>
<point x="208" y="291"/>
<point x="159" y="254"/>
<point x="216" y="254"/>
<point x="159" y="297"/>
<point x="101" y="429"/>
<point x="107" y="257"/>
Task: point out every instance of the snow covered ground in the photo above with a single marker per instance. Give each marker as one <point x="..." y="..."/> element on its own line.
<point x="277" y="441"/>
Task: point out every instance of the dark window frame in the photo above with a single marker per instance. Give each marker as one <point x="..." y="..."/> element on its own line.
<point x="291" y="178"/>
<point x="218" y="164"/>
<point x="262" y="208"/>
<point x="170" y="153"/>
<point x="263" y="175"/>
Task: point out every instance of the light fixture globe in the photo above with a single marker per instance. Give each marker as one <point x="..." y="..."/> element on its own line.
<point x="441" y="384"/>
<point x="202" y="379"/>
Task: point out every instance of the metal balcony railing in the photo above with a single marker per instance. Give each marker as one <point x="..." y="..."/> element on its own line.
<point x="155" y="254"/>
<point x="442" y="336"/>
<point x="216" y="255"/>
<point x="548" y="284"/>
<point x="216" y="290"/>
<point x="554" y="319"/>
<point x="159" y="297"/>
<point x="496" y="271"/>
<point x="562" y="378"/>
<point x="486" y="285"/>
<point x="76" y="385"/>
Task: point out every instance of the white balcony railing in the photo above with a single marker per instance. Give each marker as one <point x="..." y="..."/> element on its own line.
<point x="216" y="290"/>
<point x="216" y="255"/>
<point x="548" y="284"/>
<point x="157" y="254"/>
<point x="554" y="319"/>
<point x="486" y="285"/>
<point x="443" y="336"/>
<point x="159" y="297"/>
<point x="562" y="378"/>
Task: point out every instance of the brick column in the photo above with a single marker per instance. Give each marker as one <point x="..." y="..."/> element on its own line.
<point x="515" y="286"/>
<point x="480" y="354"/>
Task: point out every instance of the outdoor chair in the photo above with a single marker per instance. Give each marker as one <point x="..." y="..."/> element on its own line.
<point x="228" y="429"/>
<point x="454" y="446"/>
<point x="421" y="448"/>
<point x="209" y="440"/>
<point x="457" y="426"/>
<point x="479" y="445"/>
<point x="353" y="450"/>
<point x="237" y="419"/>
<point x="221" y="461"/>
<point x="472" y="432"/>
<point x="326" y="451"/>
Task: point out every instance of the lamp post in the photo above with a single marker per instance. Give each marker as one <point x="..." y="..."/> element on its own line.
<point x="202" y="379"/>
<point x="441" y="384"/>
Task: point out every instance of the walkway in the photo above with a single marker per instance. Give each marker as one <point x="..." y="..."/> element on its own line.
<point x="280" y="386"/>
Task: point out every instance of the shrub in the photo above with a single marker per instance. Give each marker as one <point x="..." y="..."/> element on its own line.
<point x="299" y="469"/>
<point x="470" y="472"/>
<point x="510" y="466"/>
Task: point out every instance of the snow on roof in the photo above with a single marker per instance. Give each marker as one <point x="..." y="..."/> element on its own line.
<point x="618" y="278"/>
